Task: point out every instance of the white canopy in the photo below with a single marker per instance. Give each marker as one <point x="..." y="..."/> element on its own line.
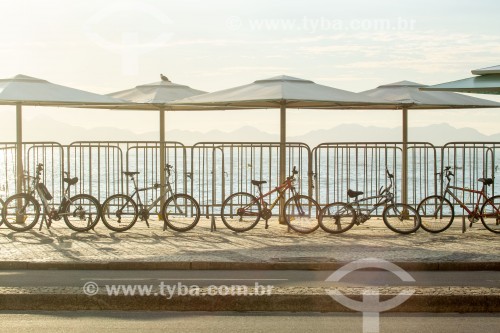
<point x="276" y="91"/>
<point x="155" y="96"/>
<point x="32" y="91"/>
<point x="487" y="70"/>
<point x="488" y="82"/>
<point x="25" y="90"/>
<point x="407" y="95"/>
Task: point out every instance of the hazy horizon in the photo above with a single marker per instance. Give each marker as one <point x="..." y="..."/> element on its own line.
<point x="48" y="129"/>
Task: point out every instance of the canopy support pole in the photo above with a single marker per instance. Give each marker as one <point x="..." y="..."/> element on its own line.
<point x="19" y="148"/>
<point x="282" y="176"/>
<point x="163" y="180"/>
<point x="405" y="156"/>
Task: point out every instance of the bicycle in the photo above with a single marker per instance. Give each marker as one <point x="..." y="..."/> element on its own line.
<point x="339" y="217"/>
<point x="22" y="211"/>
<point x="438" y="212"/>
<point x="180" y="212"/>
<point x="242" y="211"/>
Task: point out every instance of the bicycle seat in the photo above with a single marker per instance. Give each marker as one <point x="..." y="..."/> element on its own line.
<point x="71" y="181"/>
<point x="130" y="173"/>
<point x="353" y="194"/>
<point x="486" y="181"/>
<point x="258" y="182"/>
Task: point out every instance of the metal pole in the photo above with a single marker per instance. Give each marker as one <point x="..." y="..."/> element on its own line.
<point x="163" y="180"/>
<point x="282" y="175"/>
<point x="405" y="156"/>
<point x="19" y="148"/>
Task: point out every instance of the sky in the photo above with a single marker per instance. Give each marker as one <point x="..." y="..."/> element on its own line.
<point x="107" y="46"/>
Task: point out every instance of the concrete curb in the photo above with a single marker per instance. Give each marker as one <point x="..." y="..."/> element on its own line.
<point x="200" y="265"/>
<point x="289" y="303"/>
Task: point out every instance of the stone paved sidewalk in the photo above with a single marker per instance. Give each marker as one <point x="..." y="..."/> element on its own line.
<point x="371" y="240"/>
<point x="201" y="246"/>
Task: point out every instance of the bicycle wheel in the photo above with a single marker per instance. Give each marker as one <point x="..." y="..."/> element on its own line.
<point x="21" y="212"/>
<point x="436" y="213"/>
<point x="82" y="212"/>
<point x="119" y="212"/>
<point x="240" y="212"/>
<point x="401" y="218"/>
<point x="181" y="212"/>
<point x="337" y="217"/>
<point x="490" y="214"/>
<point x="302" y="213"/>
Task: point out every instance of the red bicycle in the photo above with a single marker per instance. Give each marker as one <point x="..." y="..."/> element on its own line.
<point x="242" y="211"/>
<point x="437" y="212"/>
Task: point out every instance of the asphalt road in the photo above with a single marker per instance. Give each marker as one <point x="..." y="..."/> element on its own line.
<point x="285" y="278"/>
<point x="180" y="322"/>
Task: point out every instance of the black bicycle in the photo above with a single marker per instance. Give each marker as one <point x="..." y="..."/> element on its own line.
<point x="180" y="212"/>
<point x="21" y="211"/>
<point x="338" y="217"/>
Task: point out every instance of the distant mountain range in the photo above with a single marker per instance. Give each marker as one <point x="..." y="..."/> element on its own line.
<point x="46" y="129"/>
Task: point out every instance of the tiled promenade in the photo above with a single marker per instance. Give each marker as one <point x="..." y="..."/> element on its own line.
<point x="140" y="244"/>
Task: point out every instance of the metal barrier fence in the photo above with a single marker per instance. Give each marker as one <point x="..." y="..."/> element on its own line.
<point x="211" y="171"/>
<point x="362" y="167"/>
<point x="470" y="161"/>
<point x="222" y="168"/>
<point x="99" y="166"/>
<point x="51" y="154"/>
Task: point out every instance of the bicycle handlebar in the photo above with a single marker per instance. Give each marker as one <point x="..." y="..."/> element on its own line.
<point x="447" y="173"/>
<point x="39" y="169"/>
<point x="168" y="169"/>
<point x="383" y="190"/>
<point x="294" y="172"/>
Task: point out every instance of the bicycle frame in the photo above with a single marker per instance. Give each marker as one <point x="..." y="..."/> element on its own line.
<point x="384" y="197"/>
<point x="47" y="206"/>
<point x="49" y="212"/>
<point x="168" y="193"/>
<point x="479" y="208"/>
<point x="281" y="193"/>
<point x="281" y="189"/>
<point x="480" y="194"/>
<point x="383" y="200"/>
